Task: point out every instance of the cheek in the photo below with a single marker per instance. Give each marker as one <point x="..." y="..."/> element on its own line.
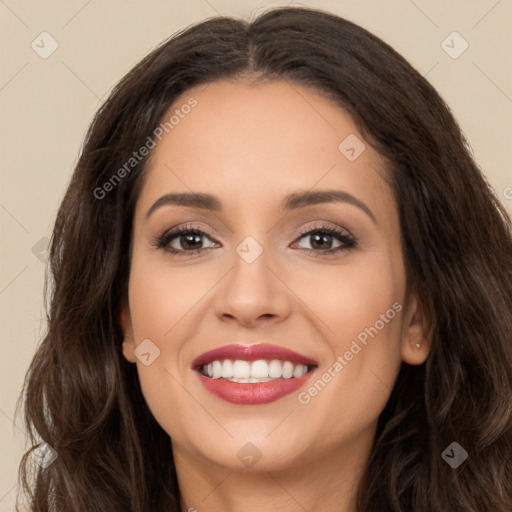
<point x="347" y="299"/>
<point x="162" y="298"/>
<point x="165" y="307"/>
<point x="361" y="312"/>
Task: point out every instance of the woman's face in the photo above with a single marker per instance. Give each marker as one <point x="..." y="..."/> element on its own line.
<point x="261" y="152"/>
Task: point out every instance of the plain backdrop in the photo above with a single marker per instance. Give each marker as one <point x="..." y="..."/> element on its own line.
<point x="48" y="99"/>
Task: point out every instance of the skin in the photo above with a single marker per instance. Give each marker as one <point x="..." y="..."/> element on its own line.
<point x="250" y="146"/>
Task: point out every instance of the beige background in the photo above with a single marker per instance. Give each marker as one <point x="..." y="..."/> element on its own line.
<point x="47" y="104"/>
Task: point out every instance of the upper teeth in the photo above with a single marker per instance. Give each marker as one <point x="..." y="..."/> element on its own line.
<point x="260" y="369"/>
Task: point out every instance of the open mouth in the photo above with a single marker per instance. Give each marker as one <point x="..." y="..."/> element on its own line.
<point x="252" y="372"/>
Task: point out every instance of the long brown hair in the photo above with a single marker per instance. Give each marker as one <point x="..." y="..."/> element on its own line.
<point x="84" y="399"/>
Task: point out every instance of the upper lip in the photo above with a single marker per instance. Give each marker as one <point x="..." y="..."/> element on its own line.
<point x="252" y="353"/>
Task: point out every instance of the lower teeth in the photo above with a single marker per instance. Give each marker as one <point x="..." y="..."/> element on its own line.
<point x="249" y="380"/>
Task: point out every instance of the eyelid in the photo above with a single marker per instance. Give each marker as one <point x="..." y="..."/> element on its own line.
<point x="325" y="225"/>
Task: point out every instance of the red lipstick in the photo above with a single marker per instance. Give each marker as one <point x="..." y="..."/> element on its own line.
<point x="257" y="392"/>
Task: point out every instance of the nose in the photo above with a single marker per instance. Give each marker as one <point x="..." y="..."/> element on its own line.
<point x="253" y="294"/>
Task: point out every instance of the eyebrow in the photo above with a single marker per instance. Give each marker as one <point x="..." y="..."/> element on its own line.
<point x="291" y="202"/>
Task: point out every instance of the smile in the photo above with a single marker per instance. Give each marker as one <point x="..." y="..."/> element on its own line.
<point x="254" y="374"/>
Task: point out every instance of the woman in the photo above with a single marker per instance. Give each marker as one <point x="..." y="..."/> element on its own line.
<point x="341" y="341"/>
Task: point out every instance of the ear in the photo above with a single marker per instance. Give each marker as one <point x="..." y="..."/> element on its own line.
<point x="417" y="330"/>
<point x="129" y="339"/>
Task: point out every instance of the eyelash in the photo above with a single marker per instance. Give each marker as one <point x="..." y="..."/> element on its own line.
<point x="349" y="241"/>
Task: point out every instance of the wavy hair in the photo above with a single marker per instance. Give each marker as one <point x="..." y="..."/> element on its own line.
<point x="84" y="399"/>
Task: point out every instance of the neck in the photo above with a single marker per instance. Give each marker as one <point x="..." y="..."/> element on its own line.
<point x="317" y="482"/>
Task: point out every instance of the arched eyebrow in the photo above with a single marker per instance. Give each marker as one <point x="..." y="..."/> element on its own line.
<point x="300" y="199"/>
<point x="290" y="202"/>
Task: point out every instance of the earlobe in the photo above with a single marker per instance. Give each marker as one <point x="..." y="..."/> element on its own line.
<point x="417" y="332"/>
<point x="128" y="337"/>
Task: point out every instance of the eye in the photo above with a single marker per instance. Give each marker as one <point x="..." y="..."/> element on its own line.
<point x="320" y="236"/>
<point x="188" y="240"/>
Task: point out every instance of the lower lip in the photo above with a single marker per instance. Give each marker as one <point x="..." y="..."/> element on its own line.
<point x="242" y="393"/>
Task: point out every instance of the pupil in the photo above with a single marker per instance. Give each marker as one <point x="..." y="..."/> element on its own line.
<point x="322" y="238"/>
<point x="186" y="238"/>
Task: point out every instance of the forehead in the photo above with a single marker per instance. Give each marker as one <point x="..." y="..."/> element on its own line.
<point x="253" y="144"/>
